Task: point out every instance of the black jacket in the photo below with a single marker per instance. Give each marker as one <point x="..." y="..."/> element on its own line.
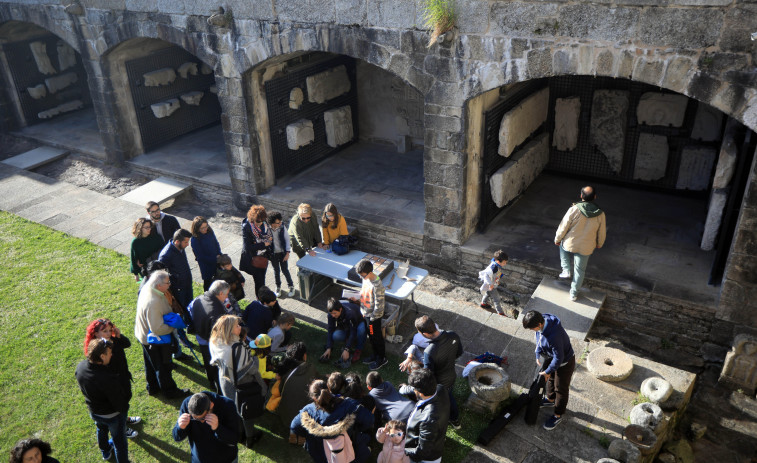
<point x="251" y="248"/>
<point x="348" y="321"/>
<point x="102" y="388"/>
<point x="440" y="356"/>
<point x="206" y="310"/>
<point x="427" y="427"/>
<point x="207" y="445"/>
<point x="178" y="270"/>
<point x="119" y="365"/>
<point x="168" y="224"/>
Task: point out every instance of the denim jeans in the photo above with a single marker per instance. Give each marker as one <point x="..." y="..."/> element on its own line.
<point x="341" y="336"/>
<point x="116" y="426"/>
<point x="579" y="263"/>
<point x="281" y="266"/>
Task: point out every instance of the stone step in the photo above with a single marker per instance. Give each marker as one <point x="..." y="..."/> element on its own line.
<point x="552" y="296"/>
<point x="36" y="157"/>
<point x="160" y="190"/>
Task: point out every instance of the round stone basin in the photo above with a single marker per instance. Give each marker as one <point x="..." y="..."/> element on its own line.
<point x="489" y="382"/>
<point x="642" y="437"/>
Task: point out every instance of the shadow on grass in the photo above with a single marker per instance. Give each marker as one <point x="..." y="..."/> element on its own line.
<point x="159" y="449"/>
<point x="191" y="374"/>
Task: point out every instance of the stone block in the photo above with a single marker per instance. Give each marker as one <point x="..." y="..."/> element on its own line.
<point x="399" y="14"/>
<point x="715" y="210"/>
<point x="520" y="171"/>
<point x="54" y="84"/>
<point x="594" y="22"/>
<point x="696" y="168"/>
<point x="663" y="109"/>
<point x="520" y="122"/>
<point x="187" y="69"/>
<point x="609" y="111"/>
<point x="648" y="71"/>
<point x="539" y="63"/>
<point x="680" y="27"/>
<point x="66" y="56"/>
<point x="740" y="21"/>
<point x="165" y="108"/>
<point x="39" y="52"/>
<point x="296" y="97"/>
<point x="350" y="11"/>
<point x="516" y="19"/>
<point x="192" y="98"/>
<point x="651" y="157"/>
<point x="676" y="76"/>
<point x="605" y="61"/>
<point x="299" y="134"/>
<point x="37" y="92"/>
<point x="726" y="163"/>
<point x="157" y="78"/>
<point x="327" y="85"/>
<point x="338" y="126"/>
<point x="740" y="367"/>
<point x="567" y="112"/>
<point x="707" y="123"/>
<point x="476" y="17"/>
<point x="60" y="109"/>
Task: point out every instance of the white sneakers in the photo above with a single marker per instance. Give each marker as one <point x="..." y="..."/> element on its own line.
<point x="564" y="274"/>
<point x="291" y="292"/>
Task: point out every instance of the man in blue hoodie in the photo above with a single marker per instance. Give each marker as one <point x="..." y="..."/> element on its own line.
<point x="553" y="342"/>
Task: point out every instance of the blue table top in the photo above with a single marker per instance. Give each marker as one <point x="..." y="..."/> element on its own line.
<point x="336" y="267"/>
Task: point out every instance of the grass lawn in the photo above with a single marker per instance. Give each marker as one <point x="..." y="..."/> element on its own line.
<point x="51" y="287"/>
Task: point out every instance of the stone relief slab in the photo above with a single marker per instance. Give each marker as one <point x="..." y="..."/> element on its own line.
<point x="651" y="157"/>
<point x="707" y="123"/>
<point x="66" y="56"/>
<point x="662" y="109"/>
<point x="39" y="52"/>
<point x="740" y="367"/>
<point x="567" y="111"/>
<point x="192" y="98"/>
<point x="520" y="171"/>
<point x="521" y="121"/>
<point x="296" y="97"/>
<point x="60" y="109"/>
<point x="609" y="112"/>
<point x="54" y="84"/>
<point x="187" y="69"/>
<point x="37" y="92"/>
<point x="328" y="85"/>
<point x="164" y="76"/>
<point x="300" y="133"/>
<point x="338" y="126"/>
<point x="165" y="108"/>
<point x="696" y="168"/>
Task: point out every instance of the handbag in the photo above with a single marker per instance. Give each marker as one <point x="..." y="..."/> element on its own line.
<point x="249" y="397"/>
<point x="341" y="245"/>
<point x="260" y="262"/>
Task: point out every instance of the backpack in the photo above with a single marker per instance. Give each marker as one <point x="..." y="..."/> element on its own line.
<point x="339" y="449"/>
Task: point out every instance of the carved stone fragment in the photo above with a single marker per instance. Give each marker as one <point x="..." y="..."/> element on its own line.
<point x="66" y="56"/>
<point x="338" y="126"/>
<point x="520" y="122"/>
<point x="54" y="84"/>
<point x="609" y="110"/>
<point x="300" y="133"/>
<point x="165" y="108"/>
<point x="60" y="109"/>
<point x="37" y="92"/>
<point x="296" y="97"/>
<point x="39" y="51"/>
<point x="328" y="85"/>
<point x="696" y="168"/>
<point x="164" y="76"/>
<point x="192" y="98"/>
<point x="519" y="171"/>
<point x="707" y="123"/>
<point x="651" y="157"/>
<point x="740" y="367"/>
<point x="662" y="109"/>
<point x="187" y="69"/>
<point x="567" y="111"/>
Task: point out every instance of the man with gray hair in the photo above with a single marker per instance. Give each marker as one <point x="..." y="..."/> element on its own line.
<point x="205" y="310"/>
<point x="152" y="305"/>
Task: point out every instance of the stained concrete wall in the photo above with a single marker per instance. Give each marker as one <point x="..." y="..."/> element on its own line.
<point x="388" y="108"/>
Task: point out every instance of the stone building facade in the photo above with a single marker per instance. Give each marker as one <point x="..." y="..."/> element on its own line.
<point x="697" y="48"/>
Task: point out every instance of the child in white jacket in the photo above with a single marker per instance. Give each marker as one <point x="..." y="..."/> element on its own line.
<point x="392" y="435"/>
<point x="490" y="276"/>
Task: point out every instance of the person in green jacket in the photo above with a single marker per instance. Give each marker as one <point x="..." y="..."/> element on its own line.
<point x="145" y="246"/>
<point x="304" y="232"/>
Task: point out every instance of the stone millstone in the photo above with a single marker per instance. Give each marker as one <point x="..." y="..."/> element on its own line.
<point x="624" y="451"/>
<point x="647" y="414"/>
<point x="642" y="437"/>
<point x="656" y="389"/>
<point x="609" y="364"/>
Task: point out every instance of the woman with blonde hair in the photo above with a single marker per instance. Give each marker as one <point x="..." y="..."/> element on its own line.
<point x="257" y="245"/>
<point x="226" y="351"/>
<point x="304" y="233"/>
<point x="145" y="246"/>
<point x="206" y="249"/>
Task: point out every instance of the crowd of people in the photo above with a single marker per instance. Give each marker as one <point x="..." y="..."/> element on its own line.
<point x="252" y="363"/>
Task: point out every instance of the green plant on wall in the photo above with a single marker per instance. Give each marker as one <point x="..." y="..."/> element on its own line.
<point x="439" y="16"/>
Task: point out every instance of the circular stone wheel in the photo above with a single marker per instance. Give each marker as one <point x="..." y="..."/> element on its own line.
<point x="656" y="389"/>
<point x="647" y="414"/>
<point x="489" y="382"/>
<point x="642" y="437"/>
<point x="624" y="451"/>
<point x="609" y="364"/>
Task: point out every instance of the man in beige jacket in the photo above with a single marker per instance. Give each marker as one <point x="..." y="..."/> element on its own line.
<point x="581" y="230"/>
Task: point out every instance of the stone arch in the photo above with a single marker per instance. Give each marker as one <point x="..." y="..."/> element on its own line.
<point x="63" y="29"/>
<point x="680" y="73"/>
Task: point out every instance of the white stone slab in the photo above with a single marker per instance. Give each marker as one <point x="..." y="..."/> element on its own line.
<point x="159" y="190"/>
<point x="36" y="157"/>
<point x="608" y="124"/>
<point x="663" y="109"/>
<point x="520" y="171"/>
<point x="552" y="296"/>
<point x="299" y="134"/>
<point x="338" y="126"/>
<point x="328" y="85"/>
<point x="651" y="157"/>
<point x="567" y="113"/>
<point x="696" y="168"/>
<point x="521" y="121"/>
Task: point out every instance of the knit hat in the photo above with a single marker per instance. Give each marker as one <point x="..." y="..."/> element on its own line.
<point x="263" y="341"/>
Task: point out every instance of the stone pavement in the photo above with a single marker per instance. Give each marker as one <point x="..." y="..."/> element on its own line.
<point x="595" y="409"/>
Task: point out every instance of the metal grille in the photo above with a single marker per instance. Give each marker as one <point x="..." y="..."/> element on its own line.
<point x="491" y="160"/>
<point x="23" y="69"/>
<point x="280" y="115"/>
<point x="155" y="131"/>
<point x="587" y="161"/>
